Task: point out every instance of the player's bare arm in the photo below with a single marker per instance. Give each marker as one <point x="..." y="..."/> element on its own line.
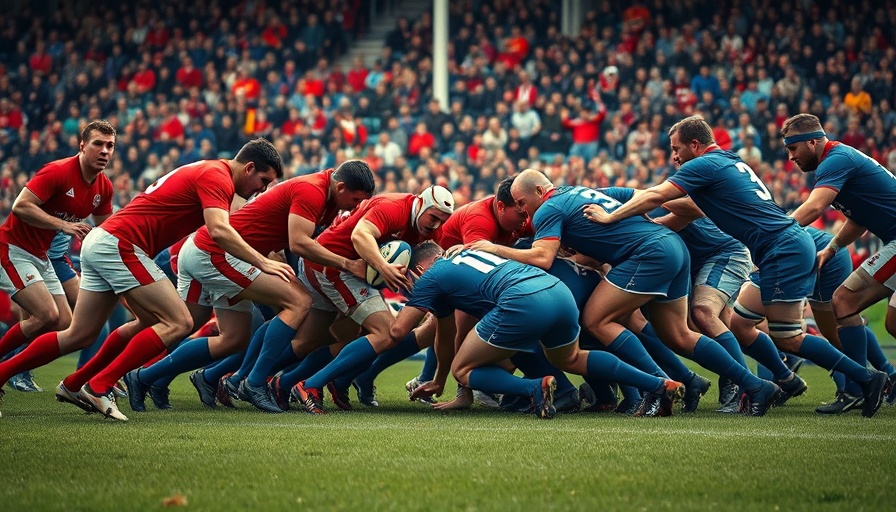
<point x="541" y="254"/>
<point x="641" y="203"/>
<point x="444" y="347"/>
<point x="819" y="199"/>
<point x="301" y="244"/>
<point x="364" y="238"/>
<point x="220" y="230"/>
<point x="849" y="233"/>
<point x="27" y="207"/>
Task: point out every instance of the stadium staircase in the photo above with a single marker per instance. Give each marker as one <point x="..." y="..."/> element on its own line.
<point x="386" y="13"/>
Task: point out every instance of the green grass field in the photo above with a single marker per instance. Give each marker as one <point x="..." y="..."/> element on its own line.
<point x="404" y="456"/>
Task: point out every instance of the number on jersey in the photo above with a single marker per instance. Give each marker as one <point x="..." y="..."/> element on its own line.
<point x="482" y="261"/>
<point x="763" y="192"/>
<point x="604" y="201"/>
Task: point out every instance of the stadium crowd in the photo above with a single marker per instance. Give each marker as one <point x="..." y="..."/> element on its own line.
<point x="186" y="82"/>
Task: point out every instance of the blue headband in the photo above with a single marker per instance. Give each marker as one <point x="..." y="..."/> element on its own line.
<point x="800" y="137"/>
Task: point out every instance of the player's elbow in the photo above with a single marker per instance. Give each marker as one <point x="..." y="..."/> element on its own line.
<point x="219" y="232"/>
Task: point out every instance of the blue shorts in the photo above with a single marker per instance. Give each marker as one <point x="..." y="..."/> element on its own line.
<point x="580" y="280"/>
<point x="520" y="322"/>
<point x="63" y="268"/>
<point x="659" y="267"/>
<point x="725" y="271"/>
<point x="787" y="269"/>
<point x="831" y="276"/>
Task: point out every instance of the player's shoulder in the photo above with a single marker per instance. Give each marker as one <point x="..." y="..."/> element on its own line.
<point x="62" y="166"/>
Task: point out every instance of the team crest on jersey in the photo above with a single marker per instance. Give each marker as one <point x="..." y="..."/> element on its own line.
<point x="96" y="200"/>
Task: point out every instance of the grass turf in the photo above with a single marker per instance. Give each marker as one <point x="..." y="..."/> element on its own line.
<point x="403" y="456"/>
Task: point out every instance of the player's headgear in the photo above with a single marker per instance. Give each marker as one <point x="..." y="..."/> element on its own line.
<point x="434" y="196"/>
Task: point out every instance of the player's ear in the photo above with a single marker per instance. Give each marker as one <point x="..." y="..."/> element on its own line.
<point x="250" y="166"/>
<point x="340" y="187"/>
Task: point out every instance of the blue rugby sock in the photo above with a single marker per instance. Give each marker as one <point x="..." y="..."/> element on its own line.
<point x="252" y="352"/>
<point x="730" y="344"/>
<point x="286" y="360"/>
<point x="876" y="356"/>
<point x="495" y="380"/>
<point x="277" y="338"/>
<point x="356" y="356"/>
<point x="839" y="380"/>
<point x="189" y="355"/>
<point x="630" y="393"/>
<point x="536" y="365"/>
<point x="627" y="347"/>
<point x="403" y="350"/>
<point x="855" y="345"/>
<point x="430" y="364"/>
<point x="710" y="355"/>
<point x="609" y="366"/>
<point x="667" y="360"/>
<point x="313" y="363"/>
<point x="763" y="350"/>
<point x="824" y="354"/>
<point x="229" y="364"/>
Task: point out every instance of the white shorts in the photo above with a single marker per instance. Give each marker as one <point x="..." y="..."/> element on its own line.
<point x="20" y="269"/>
<point x="110" y="264"/>
<point x="334" y="290"/>
<point x="213" y="280"/>
<point x="725" y="272"/>
<point x="882" y="267"/>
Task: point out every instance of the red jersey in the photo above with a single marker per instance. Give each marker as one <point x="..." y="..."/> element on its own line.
<point x="390" y="213"/>
<point x="476" y="221"/>
<point x="65" y="195"/>
<point x="171" y="208"/>
<point x="263" y="222"/>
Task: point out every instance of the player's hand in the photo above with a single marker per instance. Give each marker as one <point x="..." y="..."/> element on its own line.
<point x="357" y="268"/>
<point x="277" y="269"/>
<point x="453" y="250"/>
<point x="595" y="213"/>
<point x="463" y="400"/>
<point x="427" y="390"/>
<point x="484" y="246"/>
<point x="822" y="256"/>
<point x="395" y="277"/>
<point x="77" y="229"/>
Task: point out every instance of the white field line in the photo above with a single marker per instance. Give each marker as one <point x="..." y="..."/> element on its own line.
<point x="555" y="428"/>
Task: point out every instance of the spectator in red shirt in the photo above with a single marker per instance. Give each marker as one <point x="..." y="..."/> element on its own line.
<point x="171" y="129"/>
<point x="357" y="75"/>
<point x="188" y="75"/>
<point x="585" y="130"/>
<point x="40" y="60"/>
<point x="420" y="139"/>
<point x="144" y="78"/>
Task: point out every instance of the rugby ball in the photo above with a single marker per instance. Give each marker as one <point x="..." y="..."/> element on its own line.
<point x="397" y="252"/>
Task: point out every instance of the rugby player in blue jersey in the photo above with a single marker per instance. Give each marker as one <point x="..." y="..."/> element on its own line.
<point x="504" y="294"/>
<point x="735" y="199"/>
<point x="865" y="193"/>
<point x="650" y="265"/>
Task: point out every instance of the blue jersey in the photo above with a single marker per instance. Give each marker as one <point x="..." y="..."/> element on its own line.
<point x="734" y="198"/>
<point x="866" y="192"/>
<point x="473" y="282"/>
<point x="561" y="216"/>
<point x="703" y="238"/>
<point x="59" y="245"/>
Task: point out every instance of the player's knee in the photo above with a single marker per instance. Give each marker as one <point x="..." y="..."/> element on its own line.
<point x="46" y="319"/>
<point x="842" y="302"/>
<point x="461" y="374"/>
<point x="705" y="317"/>
<point x="789" y="344"/>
